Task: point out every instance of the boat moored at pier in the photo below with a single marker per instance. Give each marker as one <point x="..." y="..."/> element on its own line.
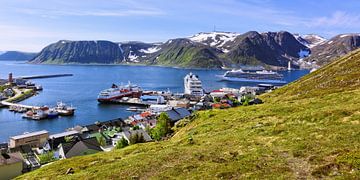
<point x="118" y="92"/>
<point x="63" y="110"/>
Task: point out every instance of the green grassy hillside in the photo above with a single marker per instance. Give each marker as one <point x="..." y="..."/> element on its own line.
<point x="308" y="129"/>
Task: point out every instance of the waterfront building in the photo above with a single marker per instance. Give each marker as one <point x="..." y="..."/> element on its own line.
<point x="183" y="103"/>
<point x="147" y="99"/>
<point x="34" y="139"/>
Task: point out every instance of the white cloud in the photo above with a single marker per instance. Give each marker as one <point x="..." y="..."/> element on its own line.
<point x="112" y="8"/>
<point x="337" y="19"/>
<point x="52" y="13"/>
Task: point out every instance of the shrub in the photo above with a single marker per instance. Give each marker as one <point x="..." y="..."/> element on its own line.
<point x="121" y="143"/>
<point x="47" y="157"/>
<point x="136" y="138"/>
<point x="101" y="140"/>
<point x="162" y="127"/>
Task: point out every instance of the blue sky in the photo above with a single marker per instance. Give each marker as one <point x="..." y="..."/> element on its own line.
<point x="29" y="25"/>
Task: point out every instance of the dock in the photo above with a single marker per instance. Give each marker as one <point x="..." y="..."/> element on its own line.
<point x="43" y="76"/>
<point x="4" y="103"/>
<point x="130" y="102"/>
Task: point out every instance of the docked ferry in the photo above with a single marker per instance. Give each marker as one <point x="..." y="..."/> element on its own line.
<point x="118" y="92"/>
<point x="263" y="76"/>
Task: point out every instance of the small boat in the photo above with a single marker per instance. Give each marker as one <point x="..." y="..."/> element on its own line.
<point x="21" y="110"/>
<point x="63" y="110"/>
<point x="51" y="113"/>
<point x="38" y="88"/>
<point x="35" y="114"/>
<point x="12" y="108"/>
<point x="135" y="109"/>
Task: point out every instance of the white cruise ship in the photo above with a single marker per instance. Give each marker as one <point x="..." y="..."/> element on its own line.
<point x="193" y="85"/>
<point x="253" y="76"/>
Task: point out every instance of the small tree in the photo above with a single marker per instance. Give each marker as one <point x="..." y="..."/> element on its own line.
<point x="101" y="140"/>
<point x="47" y="157"/>
<point x="136" y="138"/>
<point x="162" y="127"/>
<point x="121" y="143"/>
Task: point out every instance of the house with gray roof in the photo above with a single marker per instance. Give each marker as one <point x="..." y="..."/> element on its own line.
<point x="127" y="134"/>
<point x="176" y="114"/>
<point x="79" y="148"/>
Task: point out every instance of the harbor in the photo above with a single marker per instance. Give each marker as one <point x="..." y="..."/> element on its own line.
<point x="148" y="106"/>
<point x="145" y="107"/>
<point x="15" y="90"/>
<point x="81" y="91"/>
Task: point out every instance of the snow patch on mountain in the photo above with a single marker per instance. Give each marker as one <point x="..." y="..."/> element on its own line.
<point x="150" y="50"/>
<point x="214" y="39"/>
<point x="344" y="35"/>
<point x="132" y="57"/>
<point x="310" y="40"/>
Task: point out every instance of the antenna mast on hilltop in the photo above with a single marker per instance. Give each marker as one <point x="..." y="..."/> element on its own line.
<point x="214" y="28"/>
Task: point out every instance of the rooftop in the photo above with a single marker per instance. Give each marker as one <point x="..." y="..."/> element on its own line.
<point x="63" y="134"/>
<point x="30" y="134"/>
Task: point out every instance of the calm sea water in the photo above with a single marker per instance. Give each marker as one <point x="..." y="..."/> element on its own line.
<point x="81" y="91"/>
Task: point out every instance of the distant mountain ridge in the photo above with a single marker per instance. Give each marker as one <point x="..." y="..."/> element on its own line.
<point x="16" y="56"/>
<point x="202" y="50"/>
<point x="333" y="48"/>
<point x="104" y="52"/>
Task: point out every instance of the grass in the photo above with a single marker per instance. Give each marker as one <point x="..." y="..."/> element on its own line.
<point x="21" y="96"/>
<point x="306" y="130"/>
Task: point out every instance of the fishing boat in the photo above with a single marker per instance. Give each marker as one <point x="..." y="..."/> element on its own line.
<point x="37" y="114"/>
<point x="52" y="113"/>
<point x="135" y="109"/>
<point x="118" y="92"/>
<point x="63" y="110"/>
<point x="262" y="76"/>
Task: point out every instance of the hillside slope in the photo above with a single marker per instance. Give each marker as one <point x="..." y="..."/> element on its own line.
<point x="102" y="52"/>
<point x="308" y="129"/>
<point x="270" y="48"/>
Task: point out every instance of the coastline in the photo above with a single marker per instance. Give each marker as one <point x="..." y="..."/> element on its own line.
<point x="274" y="68"/>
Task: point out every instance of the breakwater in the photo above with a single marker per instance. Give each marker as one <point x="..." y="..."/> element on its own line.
<point x="44" y="76"/>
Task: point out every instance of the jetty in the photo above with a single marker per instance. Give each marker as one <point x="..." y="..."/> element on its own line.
<point x="5" y="103"/>
<point x="43" y="76"/>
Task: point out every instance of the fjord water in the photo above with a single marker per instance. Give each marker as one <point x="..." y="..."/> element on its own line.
<point x="81" y="91"/>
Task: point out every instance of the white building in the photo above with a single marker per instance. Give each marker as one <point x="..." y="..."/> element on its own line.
<point x="158" y="108"/>
<point x="193" y="85"/>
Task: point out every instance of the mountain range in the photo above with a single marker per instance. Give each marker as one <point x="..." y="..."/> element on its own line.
<point x="16" y="56"/>
<point x="207" y="50"/>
